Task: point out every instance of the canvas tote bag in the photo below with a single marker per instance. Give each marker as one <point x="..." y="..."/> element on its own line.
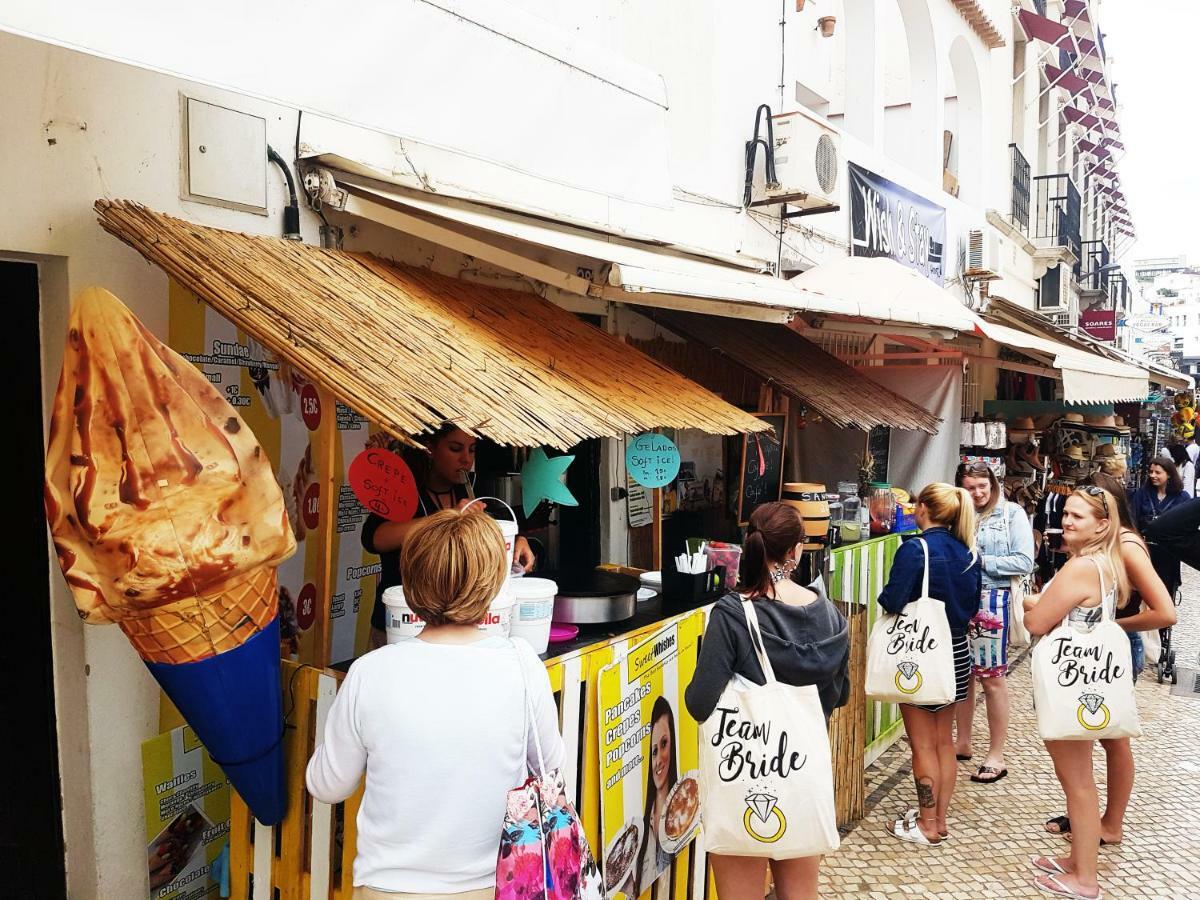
<point x="910" y="656"/>
<point x="1083" y="679"/>
<point x="766" y="773"/>
<point x="1018" y="634"/>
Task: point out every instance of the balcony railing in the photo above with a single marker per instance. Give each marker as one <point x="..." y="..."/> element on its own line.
<point x="1118" y="292"/>
<point x="1020" y="188"/>
<point x="1093" y="257"/>
<point x="1056" y="209"/>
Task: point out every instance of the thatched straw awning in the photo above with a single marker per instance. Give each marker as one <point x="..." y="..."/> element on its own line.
<point x="410" y="349"/>
<point x="821" y="381"/>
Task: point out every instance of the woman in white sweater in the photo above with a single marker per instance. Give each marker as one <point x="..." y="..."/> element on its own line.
<point x="437" y="725"/>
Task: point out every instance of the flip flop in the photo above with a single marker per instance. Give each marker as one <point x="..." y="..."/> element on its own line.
<point x="1062" y="825"/>
<point x="1047" y="864"/>
<point x="963" y="757"/>
<point x="1056" y="888"/>
<point x="987" y="770"/>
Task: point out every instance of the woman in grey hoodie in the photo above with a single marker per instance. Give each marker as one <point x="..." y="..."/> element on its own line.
<point x="807" y="641"/>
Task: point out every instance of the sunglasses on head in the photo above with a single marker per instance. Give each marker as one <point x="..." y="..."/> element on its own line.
<point x="977" y="468"/>
<point x="1093" y="491"/>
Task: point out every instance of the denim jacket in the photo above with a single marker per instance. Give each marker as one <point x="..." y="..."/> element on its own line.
<point x="1004" y="541"/>
<point x="953" y="577"/>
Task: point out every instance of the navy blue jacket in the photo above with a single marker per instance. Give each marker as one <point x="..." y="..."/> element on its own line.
<point x="1146" y="507"/>
<point x="955" y="577"/>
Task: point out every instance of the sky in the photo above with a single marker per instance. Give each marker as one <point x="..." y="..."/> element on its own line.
<point x="1153" y="52"/>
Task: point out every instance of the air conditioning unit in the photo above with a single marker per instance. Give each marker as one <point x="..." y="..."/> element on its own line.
<point x="808" y="164"/>
<point x="983" y="254"/>
<point x="1054" y="291"/>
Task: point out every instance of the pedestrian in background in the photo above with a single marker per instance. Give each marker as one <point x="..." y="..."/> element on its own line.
<point x="1004" y="542"/>
<point x="946" y="517"/>
<point x="1092" y="578"/>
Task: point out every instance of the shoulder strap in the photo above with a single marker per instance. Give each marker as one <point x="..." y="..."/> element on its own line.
<point x="530" y="725"/>
<point x="756" y="640"/>
<point x="925" y="576"/>
<point x="1107" y="598"/>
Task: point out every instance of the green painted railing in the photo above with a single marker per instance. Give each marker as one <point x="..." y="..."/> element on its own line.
<point x="857" y="573"/>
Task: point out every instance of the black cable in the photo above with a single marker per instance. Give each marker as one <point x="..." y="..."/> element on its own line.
<point x="291" y="212"/>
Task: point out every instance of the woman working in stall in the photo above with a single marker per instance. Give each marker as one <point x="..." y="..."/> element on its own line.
<point x="443" y="482"/>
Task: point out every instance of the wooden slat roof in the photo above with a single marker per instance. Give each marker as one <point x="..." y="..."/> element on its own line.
<point x="799" y="367"/>
<point x="409" y="348"/>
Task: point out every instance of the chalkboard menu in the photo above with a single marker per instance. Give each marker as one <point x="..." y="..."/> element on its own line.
<point x="762" y="466"/>
<point x="879" y="443"/>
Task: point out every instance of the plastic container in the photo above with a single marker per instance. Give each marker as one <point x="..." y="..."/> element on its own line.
<point x="534" y="610"/>
<point x="402" y="624"/>
<point x="507" y="528"/>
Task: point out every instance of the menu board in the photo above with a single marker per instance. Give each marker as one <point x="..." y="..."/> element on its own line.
<point x="186" y="800"/>
<point x="762" y="466"/>
<point x="649" y="757"/>
<point x="289" y="417"/>
<point x="355" y="571"/>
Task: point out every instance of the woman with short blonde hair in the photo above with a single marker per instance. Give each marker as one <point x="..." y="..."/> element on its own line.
<point x="438" y="724"/>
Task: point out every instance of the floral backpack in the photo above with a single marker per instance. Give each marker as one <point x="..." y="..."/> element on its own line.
<point x="543" y="850"/>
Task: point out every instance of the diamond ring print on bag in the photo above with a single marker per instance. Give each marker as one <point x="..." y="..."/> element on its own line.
<point x="761" y="807"/>
<point x="1093" y="714"/>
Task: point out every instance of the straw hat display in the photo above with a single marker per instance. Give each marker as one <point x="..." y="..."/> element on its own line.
<point x="1022" y="430"/>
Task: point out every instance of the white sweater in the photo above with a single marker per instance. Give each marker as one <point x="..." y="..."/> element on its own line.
<point x="438" y="730"/>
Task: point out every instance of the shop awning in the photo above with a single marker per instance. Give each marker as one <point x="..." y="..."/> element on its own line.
<point x="1087" y="377"/>
<point x="800" y="368"/>
<point x="1039" y="28"/>
<point x="640" y="274"/>
<point x="883" y="290"/>
<point x="409" y="348"/>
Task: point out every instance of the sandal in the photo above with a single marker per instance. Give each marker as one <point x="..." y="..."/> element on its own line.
<point x="1066" y="836"/>
<point x="963" y="757"/>
<point x="908" y="829"/>
<point x="997" y="775"/>
<point x="1050" y="884"/>
<point x="1062" y="825"/>
<point x="1048" y="864"/>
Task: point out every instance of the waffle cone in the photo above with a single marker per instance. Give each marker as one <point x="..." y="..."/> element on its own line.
<point x="200" y="627"/>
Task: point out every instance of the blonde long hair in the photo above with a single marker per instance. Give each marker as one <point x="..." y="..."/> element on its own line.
<point x="1107" y="547"/>
<point x="952" y="508"/>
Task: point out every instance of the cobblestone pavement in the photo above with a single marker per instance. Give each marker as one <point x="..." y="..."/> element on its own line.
<point x="997" y="827"/>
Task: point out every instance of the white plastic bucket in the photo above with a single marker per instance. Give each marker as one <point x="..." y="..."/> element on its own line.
<point x="499" y="618"/>
<point x="507" y="528"/>
<point x="534" y="610"/>
<point x="401" y="623"/>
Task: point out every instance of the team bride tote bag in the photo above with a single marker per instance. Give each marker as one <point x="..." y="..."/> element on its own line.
<point x="1083" y="679"/>
<point x="910" y="658"/>
<point x="766" y="773"/>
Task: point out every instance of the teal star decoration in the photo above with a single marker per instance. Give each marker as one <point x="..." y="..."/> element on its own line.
<point x="541" y="479"/>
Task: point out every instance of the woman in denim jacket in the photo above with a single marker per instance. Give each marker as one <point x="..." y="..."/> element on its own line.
<point x="1005" y="543"/>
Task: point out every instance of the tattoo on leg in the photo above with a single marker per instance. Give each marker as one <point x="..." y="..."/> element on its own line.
<point x="925" y="792"/>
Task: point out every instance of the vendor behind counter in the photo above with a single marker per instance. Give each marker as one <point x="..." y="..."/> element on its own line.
<point x="443" y="478"/>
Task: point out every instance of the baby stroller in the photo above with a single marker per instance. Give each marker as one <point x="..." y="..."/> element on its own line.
<point x="1175" y="534"/>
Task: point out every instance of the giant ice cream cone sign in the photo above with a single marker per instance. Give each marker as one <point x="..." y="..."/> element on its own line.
<point x="168" y="520"/>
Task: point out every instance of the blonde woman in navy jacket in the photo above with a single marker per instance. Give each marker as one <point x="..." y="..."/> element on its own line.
<point x="946" y="517"/>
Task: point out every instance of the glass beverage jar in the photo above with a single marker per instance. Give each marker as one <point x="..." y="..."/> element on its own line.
<point x="883" y="508"/>
<point x="850" y="528"/>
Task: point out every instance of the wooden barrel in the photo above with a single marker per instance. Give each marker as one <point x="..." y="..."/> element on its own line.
<point x="809" y="499"/>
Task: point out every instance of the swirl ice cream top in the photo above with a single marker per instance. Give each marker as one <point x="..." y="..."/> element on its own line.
<point x="159" y="497"/>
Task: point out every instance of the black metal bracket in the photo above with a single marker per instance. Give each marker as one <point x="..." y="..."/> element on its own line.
<point x="815" y="211"/>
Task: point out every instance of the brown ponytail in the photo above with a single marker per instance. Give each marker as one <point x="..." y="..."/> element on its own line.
<point x="775" y="528"/>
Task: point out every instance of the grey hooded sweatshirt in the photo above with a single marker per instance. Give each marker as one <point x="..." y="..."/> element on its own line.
<point x="806" y="645"/>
